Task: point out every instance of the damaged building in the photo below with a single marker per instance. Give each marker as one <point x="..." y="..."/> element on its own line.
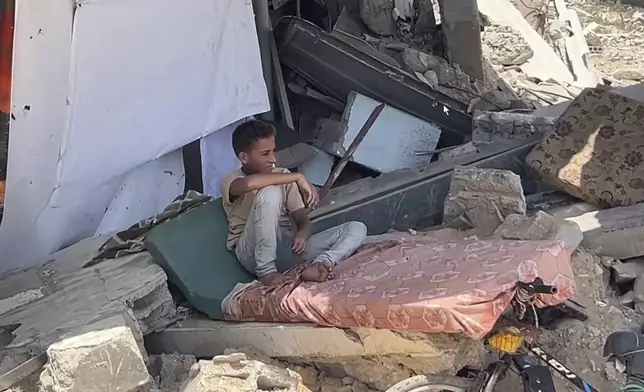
<point x="475" y="140"/>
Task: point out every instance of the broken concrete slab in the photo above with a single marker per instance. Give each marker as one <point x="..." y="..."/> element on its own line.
<point x="614" y="232"/>
<point x="499" y="127"/>
<point x="382" y="149"/>
<point x="572" y="210"/>
<point x="129" y="284"/>
<point x="102" y="359"/>
<point x="595" y="152"/>
<point x="540" y="226"/>
<point x="362" y="353"/>
<point x="472" y="188"/>
<point x="627" y="272"/>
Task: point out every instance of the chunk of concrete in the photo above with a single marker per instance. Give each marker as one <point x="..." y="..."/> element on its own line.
<point x="472" y="188"/>
<point x="499" y="127"/>
<point x="378" y="16"/>
<point x="614" y="232"/>
<point x="464" y="149"/>
<point x="638" y="289"/>
<point x="240" y="375"/>
<point x="627" y="272"/>
<point x="132" y="284"/>
<point x="107" y="358"/>
<point x="365" y="354"/>
<point x="170" y="371"/>
<point x="421" y="62"/>
<point x="540" y="226"/>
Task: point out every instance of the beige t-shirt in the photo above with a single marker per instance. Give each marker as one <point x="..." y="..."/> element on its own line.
<point x="237" y="211"/>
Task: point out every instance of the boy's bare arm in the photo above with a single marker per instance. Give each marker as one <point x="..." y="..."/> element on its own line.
<point x="241" y="186"/>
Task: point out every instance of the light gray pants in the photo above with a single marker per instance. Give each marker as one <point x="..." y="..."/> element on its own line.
<point x="265" y="246"/>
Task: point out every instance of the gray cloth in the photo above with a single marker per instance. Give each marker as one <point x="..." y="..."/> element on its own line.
<point x="265" y="246"/>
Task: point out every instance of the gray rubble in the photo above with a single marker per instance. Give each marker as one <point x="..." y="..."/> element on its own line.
<point x="614" y="232"/>
<point x="540" y="226"/>
<point x="73" y="298"/>
<point x="498" y="127"/>
<point x="505" y="46"/>
<point x="234" y="372"/>
<point x="627" y="272"/>
<point x="105" y="358"/>
<point x="490" y="190"/>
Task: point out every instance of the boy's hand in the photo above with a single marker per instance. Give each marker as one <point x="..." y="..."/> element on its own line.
<point x="309" y="192"/>
<point x="300" y="243"/>
<point x="273" y="279"/>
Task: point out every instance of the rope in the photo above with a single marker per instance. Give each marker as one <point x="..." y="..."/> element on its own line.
<point x="525" y="300"/>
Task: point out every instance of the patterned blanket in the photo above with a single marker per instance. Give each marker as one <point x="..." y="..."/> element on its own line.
<point x="422" y="284"/>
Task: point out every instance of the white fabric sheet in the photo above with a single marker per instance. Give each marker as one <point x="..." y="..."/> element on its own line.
<point x="135" y="81"/>
<point x="218" y="158"/>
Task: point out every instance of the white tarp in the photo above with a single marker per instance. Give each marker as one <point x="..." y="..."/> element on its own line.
<point x="135" y="81"/>
<point x="218" y="158"/>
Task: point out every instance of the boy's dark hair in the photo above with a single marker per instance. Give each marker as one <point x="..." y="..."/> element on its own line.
<point x="249" y="132"/>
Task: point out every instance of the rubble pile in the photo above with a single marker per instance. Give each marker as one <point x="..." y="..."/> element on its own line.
<point x="454" y="156"/>
<point x="615" y="36"/>
<point x="502" y="45"/>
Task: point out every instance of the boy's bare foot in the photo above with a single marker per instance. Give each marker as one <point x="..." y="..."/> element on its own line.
<point x="317" y="272"/>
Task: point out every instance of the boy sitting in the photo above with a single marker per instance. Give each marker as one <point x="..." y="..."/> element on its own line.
<point x="260" y="200"/>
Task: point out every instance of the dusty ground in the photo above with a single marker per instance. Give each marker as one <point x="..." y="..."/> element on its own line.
<point x="618" y="31"/>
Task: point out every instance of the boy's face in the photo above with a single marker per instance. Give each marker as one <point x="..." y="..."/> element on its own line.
<point x="260" y="158"/>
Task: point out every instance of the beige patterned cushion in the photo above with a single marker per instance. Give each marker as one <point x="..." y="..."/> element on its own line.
<point x="596" y="151"/>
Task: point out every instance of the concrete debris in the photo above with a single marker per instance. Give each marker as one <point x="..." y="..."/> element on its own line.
<point x="450" y="155"/>
<point x="544" y="64"/>
<point x="540" y="226"/>
<point x="488" y="189"/>
<point x="106" y="358"/>
<point x="627" y="272"/>
<point x="170" y="371"/>
<point x="491" y="127"/>
<point x="232" y="373"/>
<point x="575" y="46"/>
<point x="505" y="46"/>
<point x="638" y="290"/>
<point x="629" y="74"/>
<point x="417" y="61"/>
<point x="614" y="232"/>
<point x="378" y="16"/>
<point x="375" y="357"/>
<point x="77" y="297"/>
